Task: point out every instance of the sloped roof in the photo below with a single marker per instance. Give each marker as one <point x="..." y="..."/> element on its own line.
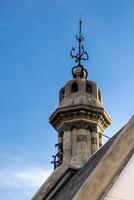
<point x="95" y="177"/>
<point x="110" y="165"/>
<point x="70" y="189"/>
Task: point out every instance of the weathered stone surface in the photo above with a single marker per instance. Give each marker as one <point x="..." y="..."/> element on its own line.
<point x="86" y="183"/>
<point x="110" y="165"/>
<point x="79" y="112"/>
<point x="52" y="181"/>
<point x="71" y="188"/>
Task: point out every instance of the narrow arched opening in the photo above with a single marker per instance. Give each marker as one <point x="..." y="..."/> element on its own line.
<point x="74" y="87"/>
<point x="88" y="88"/>
<point x="62" y="94"/>
<point x="99" y="95"/>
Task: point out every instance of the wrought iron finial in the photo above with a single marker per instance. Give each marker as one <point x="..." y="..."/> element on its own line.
<point x="81" y="54"/>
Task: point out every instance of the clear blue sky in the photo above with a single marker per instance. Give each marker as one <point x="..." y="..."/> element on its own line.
<point x="35" y="40"/>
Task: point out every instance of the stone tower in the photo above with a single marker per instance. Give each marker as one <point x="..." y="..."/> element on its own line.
<point x="80" y="118"/>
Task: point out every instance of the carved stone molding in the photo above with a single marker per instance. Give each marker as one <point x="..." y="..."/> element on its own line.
<point x="99" y="116"/>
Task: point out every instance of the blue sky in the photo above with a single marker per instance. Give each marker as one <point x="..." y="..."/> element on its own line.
<point x="35" y="40"/>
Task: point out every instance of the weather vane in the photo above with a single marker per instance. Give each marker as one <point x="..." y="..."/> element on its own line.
<point x="82" y="54"/>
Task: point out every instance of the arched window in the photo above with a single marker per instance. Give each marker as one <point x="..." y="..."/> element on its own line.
<point x="88" y="88"/>
<point x="74" y="87"/>
<point x="99" y="95"/>
<point x="62" y="94"/>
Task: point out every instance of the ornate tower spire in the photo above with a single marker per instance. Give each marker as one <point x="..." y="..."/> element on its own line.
<point x="80" y="55"/>
<point x="80" y="118"/>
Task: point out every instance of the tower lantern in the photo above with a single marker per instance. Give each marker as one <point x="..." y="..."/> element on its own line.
<point x="80" y="118"/>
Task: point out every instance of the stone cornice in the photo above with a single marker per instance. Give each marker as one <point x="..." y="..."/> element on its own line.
<point x="80" y="112"/>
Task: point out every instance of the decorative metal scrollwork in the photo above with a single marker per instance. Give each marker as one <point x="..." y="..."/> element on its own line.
<point x="58" y="157"/>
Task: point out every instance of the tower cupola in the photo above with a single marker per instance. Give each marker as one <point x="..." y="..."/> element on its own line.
<point x="80" y="118"/>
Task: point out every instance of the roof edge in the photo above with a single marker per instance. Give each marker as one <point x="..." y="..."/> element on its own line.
<point x="53" y="180"/>
<point x="110" y="165"/>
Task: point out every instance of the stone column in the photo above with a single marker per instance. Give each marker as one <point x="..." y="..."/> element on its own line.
<point x="67" y="145"/>
<point x="89" y="152"/>
<point x="94" y="143"/>
<point x="60" y="146"/>
<point x="82" y="146"/>
<point x="100" y="140"/>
